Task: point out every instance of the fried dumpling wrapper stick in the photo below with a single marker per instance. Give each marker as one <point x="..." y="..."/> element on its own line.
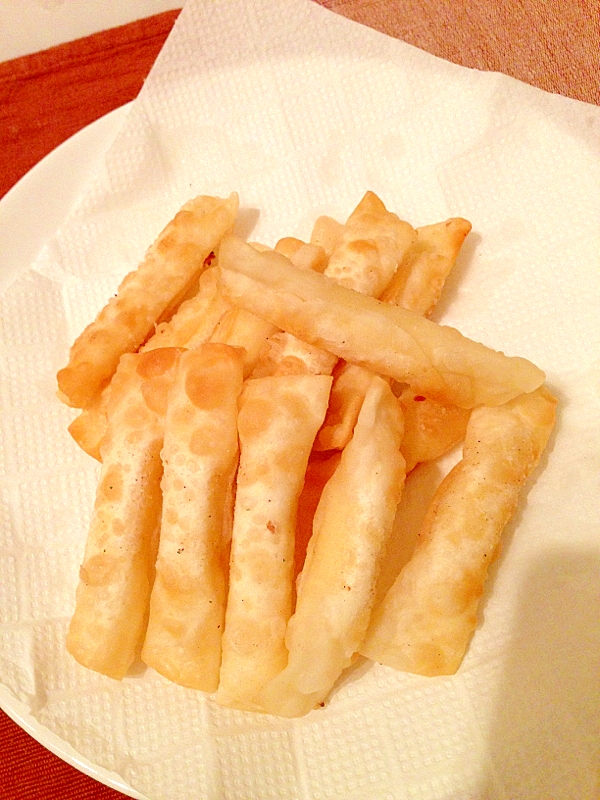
<point x="301" y="254"/>
<point x="88" y="429"/>
<point x="419" y="286"/>
<point x="416" y="286"/>
<point x="193" y="323"/>
<point x="278" y="420"/>
<point x="282" y="353"/>
<point x="370" y="248"/>
<point x="318" y="472"/>
<point x="116" y="576"/>
<point x="436" y="361"/>
<point x="336" y="588"/>
<point x="240" y="328"/>
<point x="373" y="245"/>
<point x="350" y="386"/>
<point x="170" y="265"/>
<point x="326" y="233"/>
<point x="196" y="318"/>
<point x="200" y="452"/>
<point x="430" y="428"/>
<point x="427" y="618"/>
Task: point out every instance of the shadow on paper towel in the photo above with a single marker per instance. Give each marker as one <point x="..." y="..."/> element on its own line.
<point x="544" y="734"/>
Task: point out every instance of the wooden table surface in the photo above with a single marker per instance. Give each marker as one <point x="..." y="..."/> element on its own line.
<point x="49" y="96"/>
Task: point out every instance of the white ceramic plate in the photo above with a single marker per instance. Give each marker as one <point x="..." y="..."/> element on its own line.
<point x="66" y="169"/>
<point x="33" y="25"/>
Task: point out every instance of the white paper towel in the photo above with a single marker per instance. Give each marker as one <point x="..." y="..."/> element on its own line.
<point x="302" y="111"/>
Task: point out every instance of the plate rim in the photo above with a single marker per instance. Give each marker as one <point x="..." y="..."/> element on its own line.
<point x="96" y="137"/>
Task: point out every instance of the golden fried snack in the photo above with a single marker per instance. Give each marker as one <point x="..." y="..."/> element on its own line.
<point x="430" y="428"/>
<point x="118" y="566"/>
<point x="284" y="354"/>
<point x="368" y="250"/>
<point x="428" y="616"/>
<point x="171" y="264"/>
<point x="89" y="427"/>
<point x="419" y="286"/>
<point x="350" y="385"/>
<point x="301" y="254"/>
<point x="200" y="452"/>
<point x="193" y="323"/>
<point x="309" y="256"/>
<point x="336" y="587"/>
<point x="240" y="328"/>
<point x="436" y="361"/>
<point x="278" y="420"/>
<point x="326" y="233"/>
<point x="289" y="246"/>
<point x="318" y="472"/>
<point x="195" y="320"/>
<point x="372" y="246"/>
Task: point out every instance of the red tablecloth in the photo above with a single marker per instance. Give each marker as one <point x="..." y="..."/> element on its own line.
<point x="48" y="96"/>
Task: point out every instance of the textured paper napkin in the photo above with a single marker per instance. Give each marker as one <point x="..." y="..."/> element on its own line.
<point x="302" y="111"/>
